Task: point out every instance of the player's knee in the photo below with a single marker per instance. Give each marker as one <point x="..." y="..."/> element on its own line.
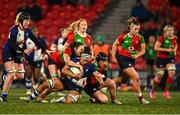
<point x="101" y="98"/>
<point x="72" y="98"/>
<point x="20" y="74"/>
<point x="171" y="70"/>
<point x="104" y="99"/>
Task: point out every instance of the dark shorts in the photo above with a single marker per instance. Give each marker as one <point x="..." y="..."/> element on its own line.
<point x="150" y="62"/>
<point x="51" y="62"/>
<point x="10" y="56"/>
<point x="36" y="64"/>
<point x="161" y="62"/>
<point x="91" y="89"/>
<point x="125" y="62"/>
<point x="69" y="85"/>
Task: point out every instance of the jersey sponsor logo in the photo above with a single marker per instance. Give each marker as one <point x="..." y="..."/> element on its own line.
<point x="10" y="58"/>
<point x="27" y="34"/>
<point x="126" y="41"/>
<point x="86" y="70"/>
<point x="78" y="40"/>
<point x="130" y="64"/>
<point x="166" y="41"/>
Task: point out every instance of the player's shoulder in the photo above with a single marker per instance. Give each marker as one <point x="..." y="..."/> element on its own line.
<point x="75" y="59"/>
<point x="122" y="35"/>
<point x="175" y="37"/>
<point x="88" y="36"/>
<point x="14" y="29"/>
<point x="140" y="35"/>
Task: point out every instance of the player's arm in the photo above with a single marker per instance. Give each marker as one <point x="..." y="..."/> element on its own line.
<point x="43" y="47"/>
<point x="69" y="41"/>
<point x="175" y="49"/>
<point x="66" y="71"/>
<point x="12" y="39"/>
<point x="70" y="63"/>
<point x="141" y="52"/>
<point x="99" y="77"/>
<point x="114" y="50"/>
<point x="92" y="51"/>
<point x="157" y="47"/>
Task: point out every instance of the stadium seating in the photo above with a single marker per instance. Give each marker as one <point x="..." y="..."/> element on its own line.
<point x="54" y="17"/>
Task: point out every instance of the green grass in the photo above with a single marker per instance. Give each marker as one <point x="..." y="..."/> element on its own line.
<point x="130" y="105"/>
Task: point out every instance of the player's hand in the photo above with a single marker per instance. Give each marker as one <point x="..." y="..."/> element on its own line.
<point x="84" y="83"/>
<point x="45" y="57"/>
<point x="174" y="52"/>
<point x="77" y="76"/>
<point x="134" y="56"/>
<point x="114" y="60"/>
<point x="28" y="51"/>
<point x="48" y="52"/>
<point x="81" y="68"/>
<point x="169" y="50"/>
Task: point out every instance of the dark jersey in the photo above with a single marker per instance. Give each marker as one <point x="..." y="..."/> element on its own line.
<point x="36" y="55"/>
<point x="16" y="40"/>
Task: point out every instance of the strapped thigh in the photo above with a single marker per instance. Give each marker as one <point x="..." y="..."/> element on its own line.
<point x="11" y="70"/>
<point x="160" y="71"/>
<point x="171" y="68"/>
<point x="20" y="71"/>
<point x="50" y="83"/>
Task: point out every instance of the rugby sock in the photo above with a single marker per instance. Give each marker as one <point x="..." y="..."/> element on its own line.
<point x="113" y="97"/>
<point x="28" y="83"/>
<point x="35" y="94"/>
<point x="4" y="94"/>
<point x="139" y="94"/>
<point x="155" y="85"/>
<point x="168" y="83"/>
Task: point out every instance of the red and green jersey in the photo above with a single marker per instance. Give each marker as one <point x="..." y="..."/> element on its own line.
<point x="75" y="37"/>
<point x="166" y="42"/>
<point x="129" y="45"/>
<point x="103" y="70"/>
<point x="58" y="57"/>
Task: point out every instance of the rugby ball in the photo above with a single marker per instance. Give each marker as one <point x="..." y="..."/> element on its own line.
<point x="75" y="70"/>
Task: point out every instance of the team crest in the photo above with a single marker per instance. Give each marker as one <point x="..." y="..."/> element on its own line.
<point x="131" y="48"/>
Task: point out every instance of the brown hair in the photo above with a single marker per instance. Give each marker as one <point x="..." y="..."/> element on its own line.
<point x="132" y="21"/>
